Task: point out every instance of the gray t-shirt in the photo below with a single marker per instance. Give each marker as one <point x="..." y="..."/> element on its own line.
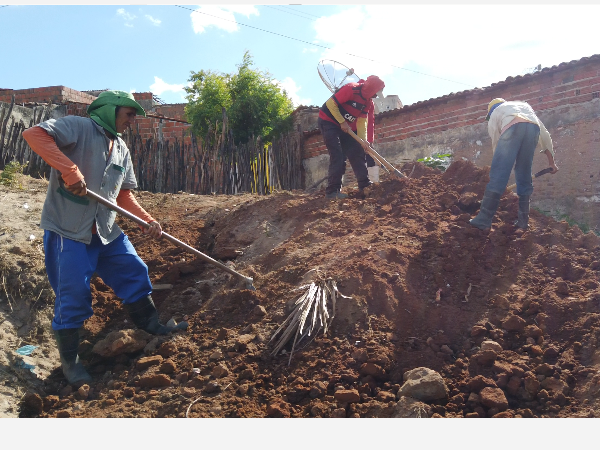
<point x="84" y="142"/>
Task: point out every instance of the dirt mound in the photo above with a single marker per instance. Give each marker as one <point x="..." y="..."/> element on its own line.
<point x="510" y="320"/>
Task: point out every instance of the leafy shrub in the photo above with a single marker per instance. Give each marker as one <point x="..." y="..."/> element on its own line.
<point x="9" y="177"/>
<point x="437" y="161"/>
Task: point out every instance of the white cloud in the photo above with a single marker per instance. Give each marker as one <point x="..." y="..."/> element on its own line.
<point x="473" y="44"/>
<point x="292" y="89"/>
<point x="127" y="17"/>
<point x="155" y="22"/>
<point x="159" y="87"/>
<point x="221" y="17"/>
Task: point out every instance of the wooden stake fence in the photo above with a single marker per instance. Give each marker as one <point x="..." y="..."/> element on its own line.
<point x="210" y="165"/>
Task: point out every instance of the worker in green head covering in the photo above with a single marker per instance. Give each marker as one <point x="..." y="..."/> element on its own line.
<point x="107" y="111"/>
<point x="81" y="237"/>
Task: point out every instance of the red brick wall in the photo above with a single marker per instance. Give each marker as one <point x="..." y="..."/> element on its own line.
<point x="77" y="109"/>
<point x="570" y="85"/>
<point x="56" y="94"/>
<point x="150" y="127"/>
<point x="313" y="146"/>
<point x="142" y="96"/>
<point x="175" y="111"/>
<point x="76" y="103"/>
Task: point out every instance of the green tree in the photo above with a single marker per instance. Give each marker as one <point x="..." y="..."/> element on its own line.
<point x="207" y="96"/>
<point x="256" y="105"/>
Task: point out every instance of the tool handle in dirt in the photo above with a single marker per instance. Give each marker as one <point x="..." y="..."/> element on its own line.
<point x="377" y="157"/>
<point x="537" y="174"/>
<point x="170" y="238"/>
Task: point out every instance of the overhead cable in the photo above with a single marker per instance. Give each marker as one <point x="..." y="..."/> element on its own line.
<point x="321" y="46"/>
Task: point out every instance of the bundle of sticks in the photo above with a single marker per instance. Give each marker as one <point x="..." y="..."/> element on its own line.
<point x="311" y="313"/>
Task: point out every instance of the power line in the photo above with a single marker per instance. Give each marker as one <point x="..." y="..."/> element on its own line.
<point x="321" y="46"/>
<point x="287" y="12"/>
<point x="294" y="9"/>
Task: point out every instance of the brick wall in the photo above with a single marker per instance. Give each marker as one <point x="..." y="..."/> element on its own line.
<point x="566" y="100"/>
<point x="56" y="94"/>
<point x="76" y="103"/>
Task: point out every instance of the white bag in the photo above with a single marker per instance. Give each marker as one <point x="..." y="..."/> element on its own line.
<point x="373" y="173"/>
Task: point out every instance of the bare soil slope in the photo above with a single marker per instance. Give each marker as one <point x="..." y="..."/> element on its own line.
<point x="427" y="289"/>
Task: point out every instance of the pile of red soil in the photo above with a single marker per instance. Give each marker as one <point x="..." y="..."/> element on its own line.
<point x="427" y="290"/>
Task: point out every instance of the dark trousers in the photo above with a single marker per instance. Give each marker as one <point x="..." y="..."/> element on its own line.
<point x="342" y="146"/>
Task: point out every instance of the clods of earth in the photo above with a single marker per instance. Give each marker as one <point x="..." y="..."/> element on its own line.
<point x="444" y="320"/>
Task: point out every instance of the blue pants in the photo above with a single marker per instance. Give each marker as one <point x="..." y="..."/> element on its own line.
<point x="342" y="146"/>
<point x="70" y="266"/>
<point x="516" y="147"/>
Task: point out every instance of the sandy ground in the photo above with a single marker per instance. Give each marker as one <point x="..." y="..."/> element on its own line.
<point x="510" y="320"/>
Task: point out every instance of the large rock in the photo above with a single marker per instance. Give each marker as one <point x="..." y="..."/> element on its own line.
<point x="220" y="371"/>
<point x="493" y="398"/>
<point x="318" y="389"/>
<point x="479" y="382"/>
<point x="408" y="407"/>
<point x="491" y="345"/>
<point x="122" y="341"/>
<point x="514" y="323"/>
<point x="278" y="409"/>
<point x="347" y="396"/>
<point x="372" y="369"/>
<point x="423" y="384"/>
<point x="242" y="342"/>
<point x="155" y="381"/>
<point x="144" y="363"/>
<point x="555" y="385"/>
<point x="486" y="357"/>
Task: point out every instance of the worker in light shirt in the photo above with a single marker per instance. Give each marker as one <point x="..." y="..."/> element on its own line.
<point x="350" y="109"/>
<point x="81" y="236"/>
<point x="516" y="132"/>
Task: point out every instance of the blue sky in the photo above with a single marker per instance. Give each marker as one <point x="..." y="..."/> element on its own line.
<point x="420" y="51"/>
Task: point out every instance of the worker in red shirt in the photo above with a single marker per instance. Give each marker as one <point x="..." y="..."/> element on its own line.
<point x="350" y="108"/>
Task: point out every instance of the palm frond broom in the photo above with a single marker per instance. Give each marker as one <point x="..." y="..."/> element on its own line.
<point x="310" y="313"/>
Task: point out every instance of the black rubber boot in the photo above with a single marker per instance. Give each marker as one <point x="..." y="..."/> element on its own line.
<point x="523" y="214"/>
<point x="67" y="341"/>
<point x="336" y="195"/>
<point x="489" y="205"/>
<point x="368" y="185"/>
<point x="144" y="315"/>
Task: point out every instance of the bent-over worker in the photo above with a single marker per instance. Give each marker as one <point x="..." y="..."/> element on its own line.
<point x="516" y="131"/>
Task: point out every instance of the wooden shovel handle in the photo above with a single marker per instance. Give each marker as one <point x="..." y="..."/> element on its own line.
<point x="169" y="238"/>
<point x="537" y="174"/>
<point x="377" y="157"/>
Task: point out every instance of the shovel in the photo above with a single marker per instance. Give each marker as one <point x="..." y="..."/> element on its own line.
<point x="170" y="238"/>
<point x="538" y="174"/>
<point x="377" y="157"/>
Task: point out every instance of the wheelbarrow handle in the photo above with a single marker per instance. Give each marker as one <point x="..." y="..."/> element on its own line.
<point x="169" y="238"/>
